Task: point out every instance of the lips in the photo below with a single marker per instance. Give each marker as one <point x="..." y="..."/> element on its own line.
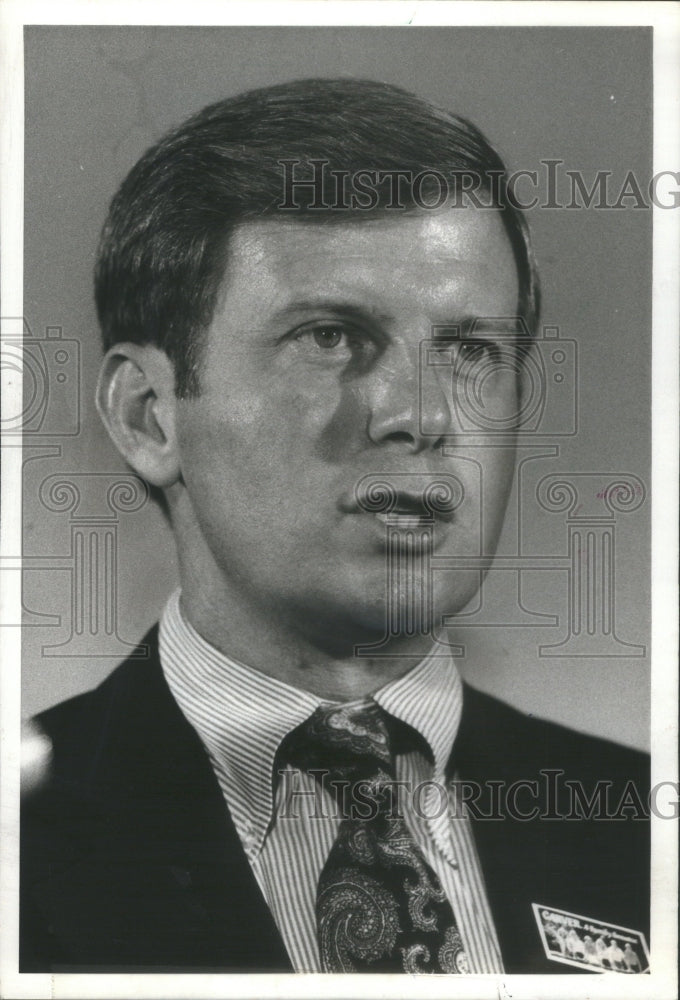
<point x="409" y="510"/>
<point x="406" y="514"/>
<point x="391" y="500"/>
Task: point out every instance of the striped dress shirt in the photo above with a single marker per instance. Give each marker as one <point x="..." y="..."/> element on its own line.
<point x="288" y="826"/>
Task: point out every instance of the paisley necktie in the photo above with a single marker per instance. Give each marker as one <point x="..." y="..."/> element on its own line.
<point x="379" y="907"/>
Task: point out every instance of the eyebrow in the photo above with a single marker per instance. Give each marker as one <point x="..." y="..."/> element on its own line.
<point x="350" y="310"/>
<point x="341" y="307"/>
<point x="503" y="325"/>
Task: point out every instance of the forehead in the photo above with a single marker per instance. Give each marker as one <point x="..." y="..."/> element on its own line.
<point x="461" y="254"/>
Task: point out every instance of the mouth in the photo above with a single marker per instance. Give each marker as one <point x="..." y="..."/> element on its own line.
<point x="417" y="518"/>
<point x="407" y="510"/>
<point x="420" y="505"/>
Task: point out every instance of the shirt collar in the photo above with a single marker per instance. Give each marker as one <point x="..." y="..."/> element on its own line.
<point x="430" y="699"/>
<point x="242" y="715"/>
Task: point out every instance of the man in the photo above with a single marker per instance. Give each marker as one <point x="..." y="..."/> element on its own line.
<point x="295" y="778"/>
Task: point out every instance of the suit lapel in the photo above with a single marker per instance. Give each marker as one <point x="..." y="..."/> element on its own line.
<point x="510" y="853"/>
<point x="165" y="871"/>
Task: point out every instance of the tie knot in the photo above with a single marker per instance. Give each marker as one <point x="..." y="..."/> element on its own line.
<point x="347" y="739"/>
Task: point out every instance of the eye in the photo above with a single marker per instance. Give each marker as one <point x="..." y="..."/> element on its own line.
<point x="327" y="336"/>
<point x="335" y="342"/>
<point x="472" y="350"/>
<point x="466" y="348"/>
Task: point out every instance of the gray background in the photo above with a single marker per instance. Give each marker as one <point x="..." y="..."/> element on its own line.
<point x="96" y="97"/>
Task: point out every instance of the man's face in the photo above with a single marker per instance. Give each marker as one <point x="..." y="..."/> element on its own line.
<point x="311" y="380"/>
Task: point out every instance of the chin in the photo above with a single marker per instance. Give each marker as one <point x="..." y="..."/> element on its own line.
<point x="342" y="617"/>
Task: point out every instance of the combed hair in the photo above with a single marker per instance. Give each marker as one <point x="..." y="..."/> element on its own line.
<point x="163" y="248"/>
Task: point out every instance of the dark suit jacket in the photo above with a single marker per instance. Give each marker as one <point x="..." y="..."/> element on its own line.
<point x="130" y="860"/>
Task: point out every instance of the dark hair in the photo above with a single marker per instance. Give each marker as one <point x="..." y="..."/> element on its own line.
<point x="162" y="253"/>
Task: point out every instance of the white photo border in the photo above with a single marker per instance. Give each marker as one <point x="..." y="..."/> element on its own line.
<point x="665" y="20"/>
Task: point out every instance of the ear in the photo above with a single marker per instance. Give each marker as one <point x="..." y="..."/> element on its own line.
<point x="136" y="401"/>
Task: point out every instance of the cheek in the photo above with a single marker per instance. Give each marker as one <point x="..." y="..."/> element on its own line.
<point x="214" y="430"/>
<point x="498" y="481"/>
<point x="252" y="444"/>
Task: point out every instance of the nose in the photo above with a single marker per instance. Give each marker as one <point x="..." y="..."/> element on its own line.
<point x="409" y="403"/>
